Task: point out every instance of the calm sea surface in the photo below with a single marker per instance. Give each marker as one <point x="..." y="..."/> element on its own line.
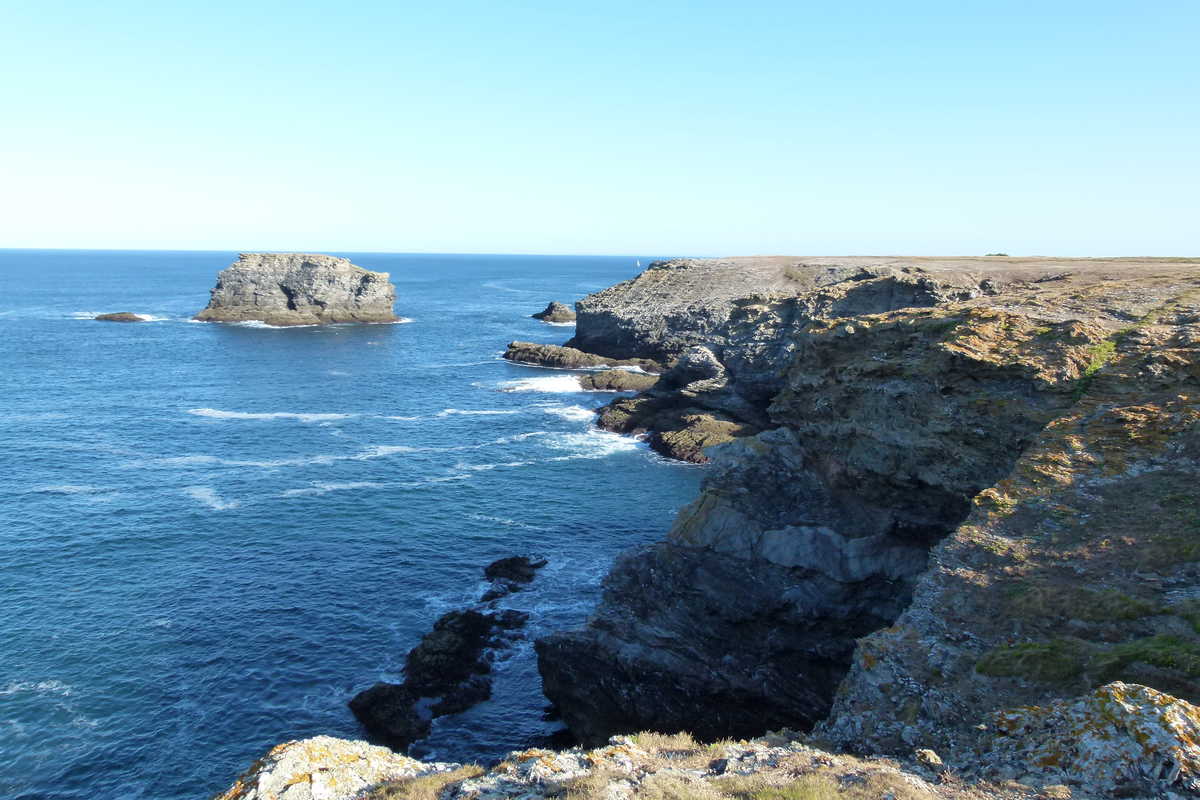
<point x="212" y="536"/>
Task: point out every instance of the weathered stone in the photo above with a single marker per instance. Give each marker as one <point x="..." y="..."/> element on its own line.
<point x="521" y="569"/>
<point x="299" y="289"/>
<point x="555" y="312"/>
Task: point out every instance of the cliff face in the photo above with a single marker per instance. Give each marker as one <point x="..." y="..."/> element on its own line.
<point x="299" y="289"/>
<point x="1037" y="418"/>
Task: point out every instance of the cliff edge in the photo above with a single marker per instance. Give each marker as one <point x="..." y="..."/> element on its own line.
<point x="299" y="289"/>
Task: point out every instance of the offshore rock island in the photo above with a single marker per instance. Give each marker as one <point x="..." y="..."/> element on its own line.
<point x="951" y="517"/>
<point x="299" y="289"/>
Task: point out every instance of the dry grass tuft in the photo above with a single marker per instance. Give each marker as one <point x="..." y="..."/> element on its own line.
<point x="425" y="787"/>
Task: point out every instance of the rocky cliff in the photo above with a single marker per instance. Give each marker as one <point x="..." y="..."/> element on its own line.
<point x="299" y="289"/>
<point x="954" y="519"/>
<point x="1033" y="424"/>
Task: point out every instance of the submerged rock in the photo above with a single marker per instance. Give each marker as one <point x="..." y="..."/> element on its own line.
<point x="299" y="289"/>
<point x="509" y="575"/>
<point x="555" y="312"/>
<point x="120" y="316"/>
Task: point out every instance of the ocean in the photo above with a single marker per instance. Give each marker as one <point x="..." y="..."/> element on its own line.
<point x="213" y="535"/>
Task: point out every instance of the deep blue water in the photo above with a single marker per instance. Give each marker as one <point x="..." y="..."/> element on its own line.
<point x="212" y="536"/>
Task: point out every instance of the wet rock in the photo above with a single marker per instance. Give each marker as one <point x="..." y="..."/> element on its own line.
<point x="556" y="312"/>
<point x="389" y="712"/>
<point x="558" y="357"/>
<point x="521" y="569"/>
<point x="617" y="380"/>
<point x="120" y="316"/>
<point x="509" y="575"/>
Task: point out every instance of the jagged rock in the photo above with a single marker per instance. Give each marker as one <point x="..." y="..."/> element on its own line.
<point x="324" y="768"/>
<point x="627" y="767"/>
<point x="675" y="428"/>
<point x="449" y="664"/>
<point x="555" y="312"/>
<point x="120" y="316"/>
<point x="521" y="569"/>
<point x="894" y="394"/>
<point x="299" y="289"/>
<point x="617" y="380"/>
<point x="552" y="355"/>
<point x="1119" y="738"/>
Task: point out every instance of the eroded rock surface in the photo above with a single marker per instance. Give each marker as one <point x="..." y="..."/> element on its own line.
<point x="299" y="289"/>
<point x="559" y="357"/>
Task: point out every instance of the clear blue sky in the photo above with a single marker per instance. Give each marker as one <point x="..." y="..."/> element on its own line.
<point x="957" y="127"/>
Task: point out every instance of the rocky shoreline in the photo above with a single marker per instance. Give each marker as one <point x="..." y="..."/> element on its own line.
<point x="951" y="507"/>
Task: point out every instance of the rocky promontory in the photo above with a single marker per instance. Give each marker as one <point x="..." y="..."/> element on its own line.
<point x="951" y="518"/>
<point x="299" y="289"/>
<point x="977" y="465"/>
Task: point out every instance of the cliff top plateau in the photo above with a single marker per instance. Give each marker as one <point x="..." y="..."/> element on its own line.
<point x="299" y="289"/>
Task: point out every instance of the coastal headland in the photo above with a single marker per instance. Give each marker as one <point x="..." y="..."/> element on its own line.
<point x="951" y="518"/>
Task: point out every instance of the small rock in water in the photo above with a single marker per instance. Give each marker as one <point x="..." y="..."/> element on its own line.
<point x="555" y="312"/>
<point x="508" y="575"/>
<point x="119" y="316"/>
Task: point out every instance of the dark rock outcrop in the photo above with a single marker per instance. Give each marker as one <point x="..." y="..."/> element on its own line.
<point x="509" y="575"/>
<point x="558" y="357"/>
<point x="119" y="316"/>
<point x="299" y="289"/>
<point x="555" y="312"/>
<point x="885" y="400"/>
<point x="617" y="380"/>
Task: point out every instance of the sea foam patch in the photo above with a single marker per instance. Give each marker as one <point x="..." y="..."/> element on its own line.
<point x="467" y="412"/>
<point x="214" y="413"/>
<point x="595" y="443"/>
<point x="572" y="413"/>
<point x="206" y="495"/>
<point x="553" y="384"/>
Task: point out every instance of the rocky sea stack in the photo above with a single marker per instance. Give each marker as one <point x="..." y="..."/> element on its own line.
<point x="555" y="312"/>
<point x="299" y="289"/>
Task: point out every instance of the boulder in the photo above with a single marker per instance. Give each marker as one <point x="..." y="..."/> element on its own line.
<point x="299" y="289"/>
<point x="555" y="312"/>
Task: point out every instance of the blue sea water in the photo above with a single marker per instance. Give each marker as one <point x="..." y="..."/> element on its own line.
<point x="212" y="535"/>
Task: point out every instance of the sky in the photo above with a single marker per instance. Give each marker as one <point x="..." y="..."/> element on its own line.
<point x="665" y="128"/>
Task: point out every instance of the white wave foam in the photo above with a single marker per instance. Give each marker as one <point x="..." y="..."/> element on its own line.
<point x="37" y="687"/>
<point x="209" y="497"/>
<point x="185" y="461"/>
<point x="214" y="413"/>
<point x="595" y="443"/>
<point x="383" y="451"/>
<point x="401" y="321"/>
<point x="69" y="488"/>
<point x="405" y="419"/>
<point x="560" y="324"/>
<point x="323" y="487"/>
<point x="573" y="413"/>
<point x="511" y="523"/>
<point x="554" y="384"/>
<point x="337" y="373"/>
<point x="627" y="368"/>
<point x="484" y="412"/>
<point x="489" y="467"/>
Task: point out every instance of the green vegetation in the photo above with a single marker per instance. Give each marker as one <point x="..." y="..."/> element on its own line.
<point x="426" y="787"/>
<point x="1074" y="602"/>
<point x="1098" y="356"/>
<point x="1065" y="659"/>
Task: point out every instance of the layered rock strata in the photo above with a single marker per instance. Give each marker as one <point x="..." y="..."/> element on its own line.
<point x="559" y="357"/>
<point x="299" y="289"/>
<point x="894" y="398"/>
